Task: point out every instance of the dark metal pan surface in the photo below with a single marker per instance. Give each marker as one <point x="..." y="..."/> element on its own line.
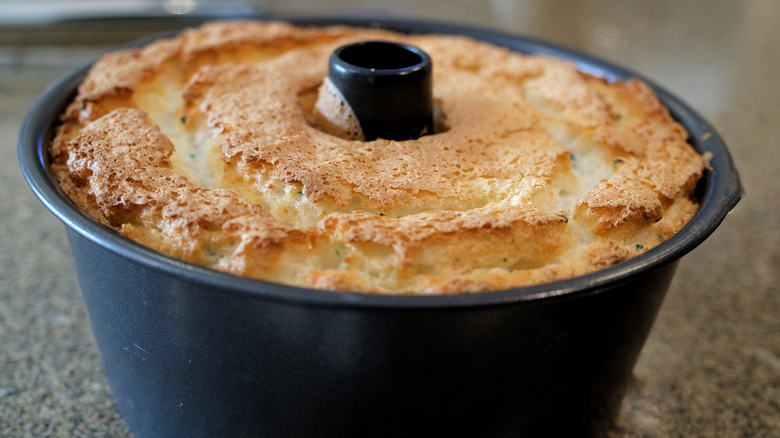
<point x="193" y="352"/>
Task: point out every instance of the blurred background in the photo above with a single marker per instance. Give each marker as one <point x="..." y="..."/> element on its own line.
<point x="712" y="364"/>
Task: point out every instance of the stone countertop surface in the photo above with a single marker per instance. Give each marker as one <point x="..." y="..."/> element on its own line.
<point x="711" y="366"/>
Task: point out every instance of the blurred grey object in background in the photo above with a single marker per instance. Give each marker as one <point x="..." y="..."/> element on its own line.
<point x="36" y="12"/>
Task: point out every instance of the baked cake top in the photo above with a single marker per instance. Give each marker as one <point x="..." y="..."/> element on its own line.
<point x="207" y="147"/>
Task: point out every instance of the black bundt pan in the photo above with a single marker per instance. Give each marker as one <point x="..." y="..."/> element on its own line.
<point x="193" y="352"/>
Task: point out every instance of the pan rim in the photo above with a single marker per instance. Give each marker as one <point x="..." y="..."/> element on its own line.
<point x="722" y="191"/>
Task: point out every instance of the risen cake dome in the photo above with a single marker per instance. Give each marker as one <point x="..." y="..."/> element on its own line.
<point x="207" y="147"/>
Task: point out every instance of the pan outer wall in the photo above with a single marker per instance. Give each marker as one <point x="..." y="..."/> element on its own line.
<point x="183" y="359"/>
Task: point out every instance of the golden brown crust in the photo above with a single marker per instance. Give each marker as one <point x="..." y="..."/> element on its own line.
<point x="201" y="147"/>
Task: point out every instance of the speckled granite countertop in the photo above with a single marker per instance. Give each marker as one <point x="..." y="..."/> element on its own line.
<point x="712" y="364"/>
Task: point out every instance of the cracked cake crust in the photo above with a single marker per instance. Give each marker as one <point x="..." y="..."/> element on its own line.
<point x="202" y="147"/>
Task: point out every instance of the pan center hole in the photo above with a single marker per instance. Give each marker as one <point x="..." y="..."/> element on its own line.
<point x="377" y="55"/>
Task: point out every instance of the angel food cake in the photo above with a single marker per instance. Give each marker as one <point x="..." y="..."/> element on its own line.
<point x="208" y="147"/>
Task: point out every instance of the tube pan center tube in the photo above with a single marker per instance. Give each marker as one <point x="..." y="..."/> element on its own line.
<point x="389" y="86"/>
